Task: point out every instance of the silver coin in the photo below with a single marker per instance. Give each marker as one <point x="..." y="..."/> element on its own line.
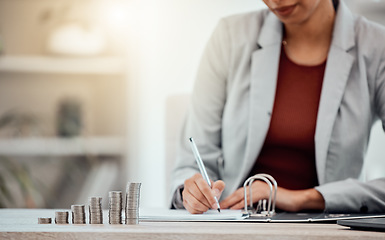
<point x="132" y="203"/>
<point x="95" y="210"/>
<point x="132" y="221"/>
<point x="42" y="220"/>
<point x="78" y="214"/>
<point x="115" y="207"/>
<point x="61" y="217"/>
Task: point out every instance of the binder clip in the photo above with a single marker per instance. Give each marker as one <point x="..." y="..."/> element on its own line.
<point x="261" y="210"/>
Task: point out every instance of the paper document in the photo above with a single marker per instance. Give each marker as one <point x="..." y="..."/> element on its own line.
<point x="162" y="214"/>
<point x="168" y="215"/>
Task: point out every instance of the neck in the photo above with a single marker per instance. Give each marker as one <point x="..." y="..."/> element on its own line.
<point x="315" y="30"/>
<point x="308" y="42"/>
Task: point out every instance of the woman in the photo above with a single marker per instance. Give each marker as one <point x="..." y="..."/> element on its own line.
<point x="293" y="92"/>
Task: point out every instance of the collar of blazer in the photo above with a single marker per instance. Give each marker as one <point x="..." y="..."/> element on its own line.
<point x="264" y="69"/>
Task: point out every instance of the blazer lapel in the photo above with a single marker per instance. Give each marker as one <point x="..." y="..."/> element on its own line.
<point x="337" y="71"/>
<point x="264" y="69"/>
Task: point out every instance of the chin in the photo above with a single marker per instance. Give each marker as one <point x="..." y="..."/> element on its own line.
<point x="293" y="20"/>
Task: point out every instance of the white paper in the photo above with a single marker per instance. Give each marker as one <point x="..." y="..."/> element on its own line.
<point x="162" y="214"/>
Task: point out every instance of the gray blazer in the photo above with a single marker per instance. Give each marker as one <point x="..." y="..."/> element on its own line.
<point x="233" y="98"/>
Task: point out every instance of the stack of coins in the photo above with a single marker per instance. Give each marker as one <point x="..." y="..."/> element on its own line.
<point x="132" y="203"/>
<point x="78" y="214"/>
<point x="95" y="210"/>
<point x="115" y="207"/>
<point x="44" y="220"/>
<point x="61" y="217"/>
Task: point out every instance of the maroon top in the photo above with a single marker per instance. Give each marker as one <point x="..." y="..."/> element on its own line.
<point x="288" y="153"/>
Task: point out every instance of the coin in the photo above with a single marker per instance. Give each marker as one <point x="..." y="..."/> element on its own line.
<point x="44" y="220"/>
<point x="78" y="214"/>
<point x="61" y="217"/>
<point x="132" y="203"/>
<point x="95" y="210"/>
<point x="115" y="207"/>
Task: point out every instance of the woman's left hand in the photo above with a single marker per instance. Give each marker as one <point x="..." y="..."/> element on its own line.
<point x="287" y="200"/>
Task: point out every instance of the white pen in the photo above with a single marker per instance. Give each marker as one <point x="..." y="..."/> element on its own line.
<point x="202" y="167"/>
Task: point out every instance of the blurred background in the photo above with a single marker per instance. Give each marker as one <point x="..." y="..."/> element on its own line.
<point x="92" y="94"/>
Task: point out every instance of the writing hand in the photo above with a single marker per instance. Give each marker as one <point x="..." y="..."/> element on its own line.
<point x="198" y="197"/>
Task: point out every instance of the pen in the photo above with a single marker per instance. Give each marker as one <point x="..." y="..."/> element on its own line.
<point x="202" y="167"/>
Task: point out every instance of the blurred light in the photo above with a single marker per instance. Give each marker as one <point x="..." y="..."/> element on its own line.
<point x="114" y="14"/>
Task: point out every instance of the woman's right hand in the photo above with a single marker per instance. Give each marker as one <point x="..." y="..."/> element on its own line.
<point x="198" y="197"/>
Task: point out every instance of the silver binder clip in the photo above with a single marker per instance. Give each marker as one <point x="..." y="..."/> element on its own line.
<point x="261" y="210"/>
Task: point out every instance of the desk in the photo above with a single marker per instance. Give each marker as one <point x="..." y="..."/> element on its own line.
<point x="22" y="224"/>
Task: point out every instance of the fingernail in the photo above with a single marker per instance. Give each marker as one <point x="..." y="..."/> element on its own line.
<point x="214" y="206"/>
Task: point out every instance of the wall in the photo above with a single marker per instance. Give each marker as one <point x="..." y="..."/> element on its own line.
<point x="35" y="81"/>
<point x="25" y="27"/>
<point x="172" y="37"/>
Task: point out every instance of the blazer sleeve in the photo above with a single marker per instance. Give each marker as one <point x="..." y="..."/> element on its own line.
<point x="204" y="117"/>
<point x="352" y="195"/>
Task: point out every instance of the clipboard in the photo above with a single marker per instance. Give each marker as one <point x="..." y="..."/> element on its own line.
<point x="263" y="212"/>
<point x="268" y="214"/>
<point x="226" y="215"/>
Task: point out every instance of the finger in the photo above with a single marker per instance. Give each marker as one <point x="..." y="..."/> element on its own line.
<point x="198" y="195"/>
<point x="193" y="199"/>
<point x="239" y="205"/>
<point x="259" y="191"/>
<point x="233" y="199"/>
<point x="192" y="204"/>
<point x="190" y="208"/>
<point x="207" y="193"/>
<point x="191" y="186"/>
<point x="218" y="188"/>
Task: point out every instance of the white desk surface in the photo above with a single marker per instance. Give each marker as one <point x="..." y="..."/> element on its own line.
<point x="22" y="224"/>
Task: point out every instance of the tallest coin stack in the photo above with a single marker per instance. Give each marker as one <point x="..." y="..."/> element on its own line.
<point x="132" y="203"/>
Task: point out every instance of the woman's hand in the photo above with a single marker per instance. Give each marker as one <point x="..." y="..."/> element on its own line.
<point x="287" y="200"/>
<point x="198" y="197"/>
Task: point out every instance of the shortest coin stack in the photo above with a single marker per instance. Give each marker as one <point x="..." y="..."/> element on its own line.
<point x="132" y="203"/>
<point x="115" y="207"/>
<point x="61" y="217"/>
<point x="78" y="214"/>
<point x="95" y="210"/>
<point x="44" y="220"/>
